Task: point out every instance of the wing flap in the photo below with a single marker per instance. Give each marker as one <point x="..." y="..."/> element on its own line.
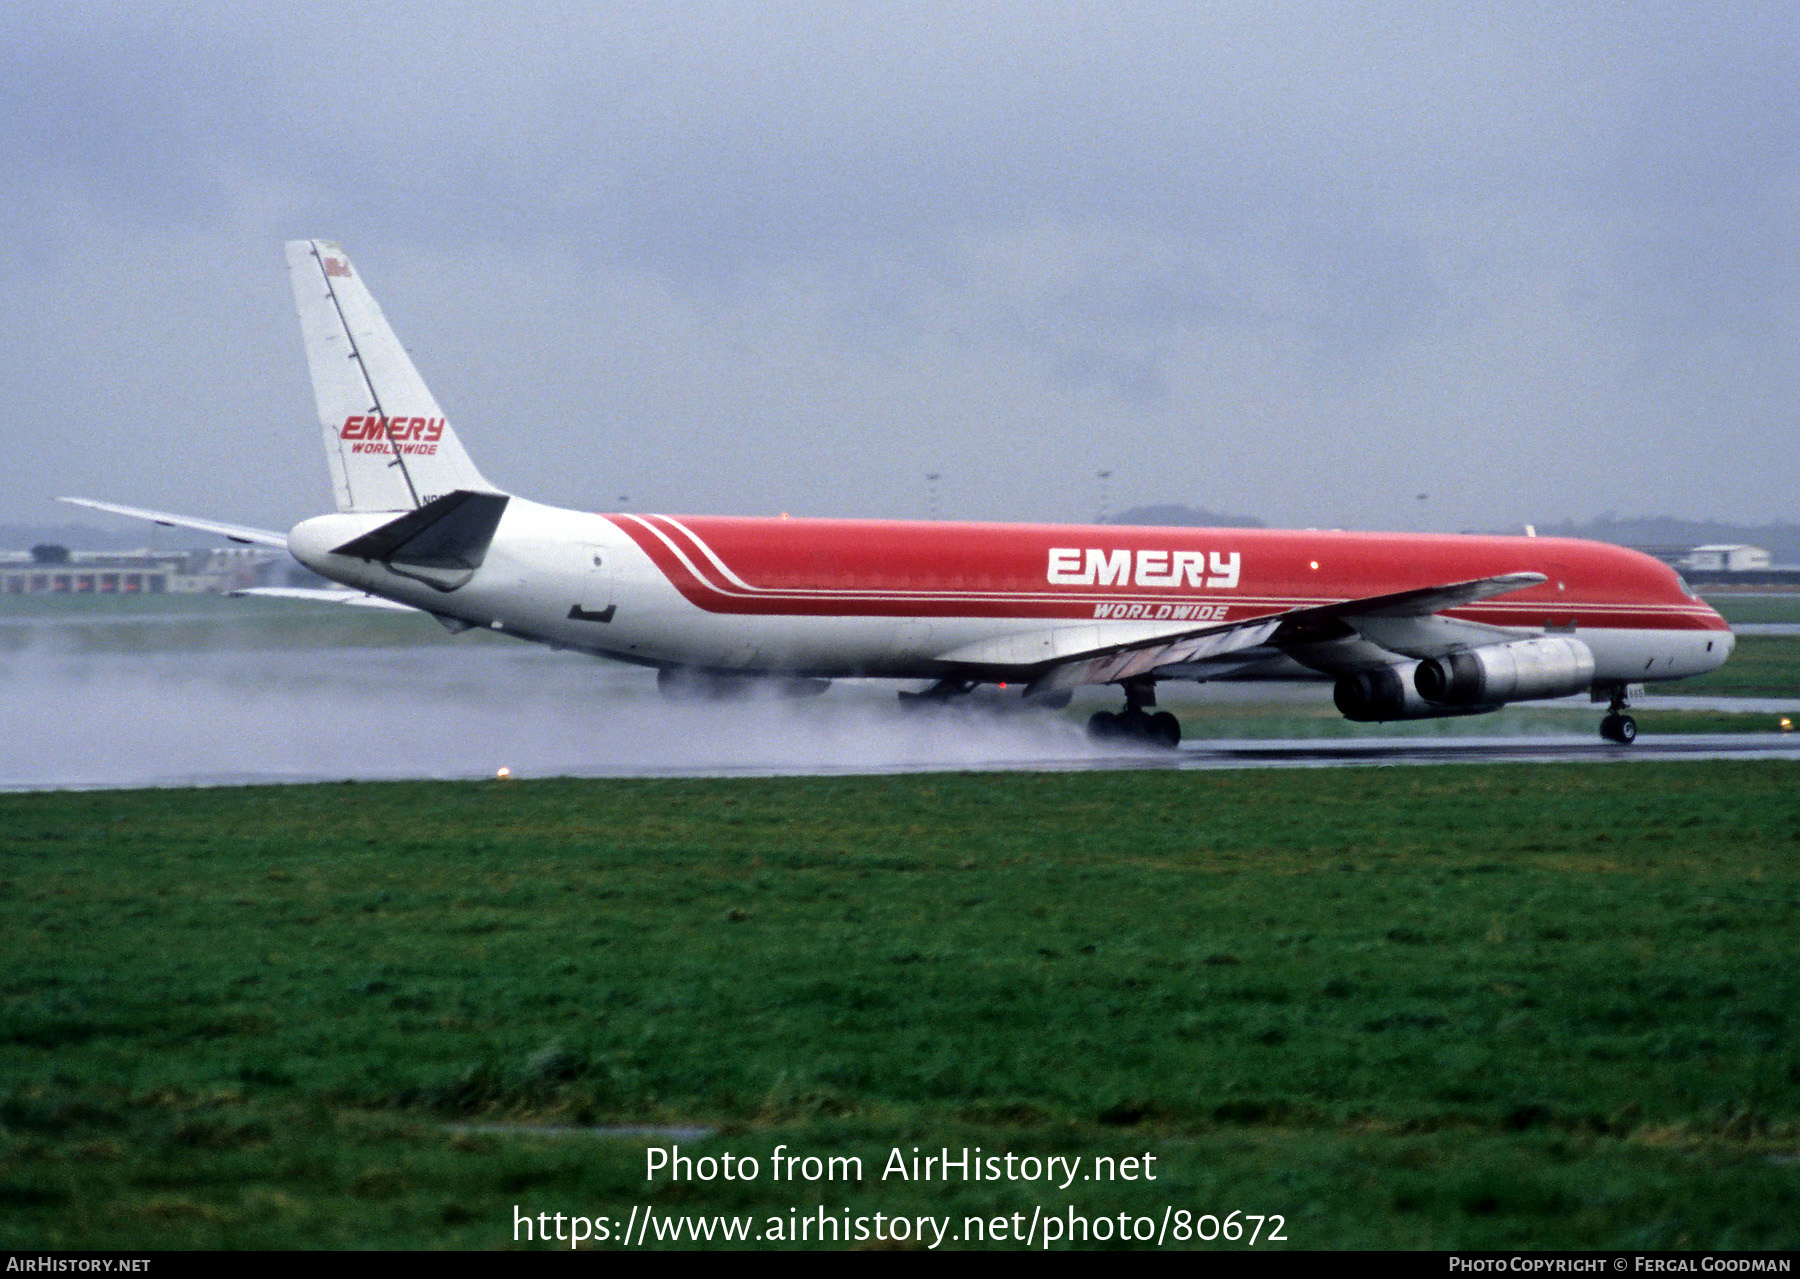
<point x="1064" y="643"/>
<point x="1123" y="662"/>
<point x="1405" y="616"/>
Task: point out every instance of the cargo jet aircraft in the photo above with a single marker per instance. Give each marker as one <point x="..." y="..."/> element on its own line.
<point x="1409" y="626"/>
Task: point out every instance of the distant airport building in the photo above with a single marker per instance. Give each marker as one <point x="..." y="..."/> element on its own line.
<point x="1726" y="559"/>
<point x="1675" y="556"/>
<point x="55" y="570"/>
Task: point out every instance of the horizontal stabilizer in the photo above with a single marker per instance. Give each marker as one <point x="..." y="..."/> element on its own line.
<point x="441" y="544"/>
<point x="324" y="595"/>
<point x="236" y="532"/>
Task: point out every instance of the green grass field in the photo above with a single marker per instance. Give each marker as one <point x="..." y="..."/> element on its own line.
<point x="1753" y="607"/>
<point x="1424" y="1007"/>
<point x="1760" y="666"/>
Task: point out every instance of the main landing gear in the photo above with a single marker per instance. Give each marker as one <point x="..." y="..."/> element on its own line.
<point x="1136" y="723"/>
<point x="1618" y="726"/>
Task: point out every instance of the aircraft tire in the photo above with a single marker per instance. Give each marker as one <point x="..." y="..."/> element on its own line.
<point x="1621" y="729"/>
<point x="1163" y="730"/>
<point x="1104" y="726"/>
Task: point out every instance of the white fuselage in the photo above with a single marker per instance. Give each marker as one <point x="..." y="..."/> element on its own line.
<point x="577" y="580"/>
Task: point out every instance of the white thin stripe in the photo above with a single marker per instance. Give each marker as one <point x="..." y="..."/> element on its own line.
<point x="711" y="555"/>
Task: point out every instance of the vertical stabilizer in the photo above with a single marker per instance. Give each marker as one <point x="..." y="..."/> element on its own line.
<point x="388" y="444"/>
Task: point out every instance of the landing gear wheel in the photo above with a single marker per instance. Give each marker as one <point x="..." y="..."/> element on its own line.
<point x="1164" y="730"/>
<point x="1104" y="726"/>
<point x="1619" y="728"/>
<point x="1161" y="729"/>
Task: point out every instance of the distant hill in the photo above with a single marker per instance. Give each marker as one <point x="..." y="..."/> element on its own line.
<point x="1170" y="513"/>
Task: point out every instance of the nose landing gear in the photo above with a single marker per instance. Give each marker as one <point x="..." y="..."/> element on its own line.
<point x="1618" y="727"/>
<point x="1136" y="723"/>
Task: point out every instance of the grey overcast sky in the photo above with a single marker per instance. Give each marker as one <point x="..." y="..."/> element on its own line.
<point x="1308" y="261"/>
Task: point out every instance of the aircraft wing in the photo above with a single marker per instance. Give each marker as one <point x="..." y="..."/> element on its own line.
<point x="1408" y="622"/>
<point x="1127" y="661"/>
<point x="1403" y="621"/>
<point x="236" y="532"/>
<point x="1427" y="600"/>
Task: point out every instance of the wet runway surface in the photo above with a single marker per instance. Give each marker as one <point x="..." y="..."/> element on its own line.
<point x="1487" y="750"/>
<point x="237" y="717"/>
<point x="84" y="719"/>
<point x="200" y="691"/>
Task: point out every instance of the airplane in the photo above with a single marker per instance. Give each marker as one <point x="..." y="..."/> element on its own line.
<point x="1409" y="626"/>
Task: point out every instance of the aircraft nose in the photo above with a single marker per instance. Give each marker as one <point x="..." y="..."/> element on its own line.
<point x="1719" y="647"/>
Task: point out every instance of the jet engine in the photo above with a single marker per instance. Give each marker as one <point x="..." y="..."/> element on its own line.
<point x="1388" y="693"/>
<point x="1548" y="666"/>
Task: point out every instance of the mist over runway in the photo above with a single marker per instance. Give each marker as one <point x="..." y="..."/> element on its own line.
<point x="181" y="719"/>
<point x="120" y="716"/>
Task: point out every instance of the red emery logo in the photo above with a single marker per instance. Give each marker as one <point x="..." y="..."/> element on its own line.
<point x="373" y="433"/>
<point x="1099" y="566"/>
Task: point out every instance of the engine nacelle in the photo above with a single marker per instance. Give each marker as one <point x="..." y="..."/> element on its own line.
<point x="1548" y="666"/>
<point x="1375" y="697"/>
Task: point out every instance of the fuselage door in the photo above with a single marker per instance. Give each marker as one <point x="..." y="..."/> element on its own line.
<point x="591" y="584"/>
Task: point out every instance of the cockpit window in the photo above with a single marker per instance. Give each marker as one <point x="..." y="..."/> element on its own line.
<point x="1685" y="588"/>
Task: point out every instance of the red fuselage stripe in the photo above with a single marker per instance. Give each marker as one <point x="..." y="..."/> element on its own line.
<point x="868" y="568"/>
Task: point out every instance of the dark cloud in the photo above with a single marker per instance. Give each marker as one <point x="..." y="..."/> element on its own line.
<point x="1341" y="254"/>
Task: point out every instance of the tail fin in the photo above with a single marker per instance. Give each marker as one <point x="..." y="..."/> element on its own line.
<point x="386" y="440"/>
